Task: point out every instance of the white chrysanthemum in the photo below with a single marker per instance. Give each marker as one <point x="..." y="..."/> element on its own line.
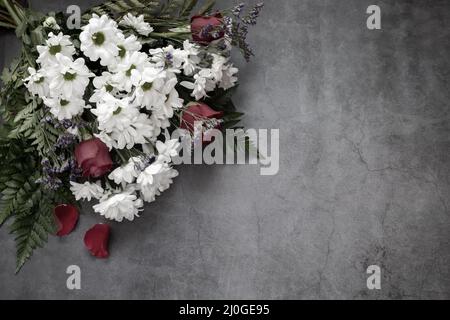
<point x="167" y="150"/>
<point x="127" y="173"/>
<point x="125" y="205"/>
<point x="104" y="84"/>
<point x="137" y="23"/>
<point x="37" y="83"/>
<point x="150" y="91"/>
<point x="228" y="77"/>
<point x="155" y="179"/>
<point x="190" y="57"/>
<point x="99" y="39"/>
<point x="126" y="47"/>
<point x="161" y="114"/>
<point x="204" y="82"/>
<point x="68" y="79"/>
<point x="223" y="72"/>
<point x="113" y="113"/>
<point x="169" y="58"/>
<point x="122" y="123"/>
<point x="54" y="44"/>
<point x="139" y="132"/>
<point x="129" y="71"/>
<point x="86" y="191"/>
<point x="173" y="101"/>
<point x="65" y="109"/>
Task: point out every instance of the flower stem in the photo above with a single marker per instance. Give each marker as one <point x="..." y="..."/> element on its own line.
<point x="7" y="25"/>
<point x="15" y="15"/>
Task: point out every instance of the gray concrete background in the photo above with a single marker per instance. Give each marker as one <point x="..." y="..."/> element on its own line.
<point x="364" y="174"/>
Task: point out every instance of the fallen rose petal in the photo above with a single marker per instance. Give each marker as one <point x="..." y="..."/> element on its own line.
<point x="96" y="240"/>
<point x="66" y="218"/>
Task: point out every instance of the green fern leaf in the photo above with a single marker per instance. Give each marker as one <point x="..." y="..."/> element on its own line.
<point x="32" y="228"/>
<point x="207" y="7"/>
<point x="187" y="8"/>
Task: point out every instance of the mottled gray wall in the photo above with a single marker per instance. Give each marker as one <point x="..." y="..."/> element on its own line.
<point x="364" y="174"/>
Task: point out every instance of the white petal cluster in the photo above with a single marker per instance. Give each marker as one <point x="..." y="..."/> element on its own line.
<point x="127" y="173"/>
<point x="68" y="78"/>
<point x="61" y="81"/>
<point x="124" y="205"/>
<point x="86" y="191"/>
<point x="54" y="44"/>
<point x="155" y="179"/>
<point x="65" y="109"/>
<point x="37" y="83"/>
<point x="137" y="23"/>
<point x="99" y="39"/>
<point x="221" y="74"/>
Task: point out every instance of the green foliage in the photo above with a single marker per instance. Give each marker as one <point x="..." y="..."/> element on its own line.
<point x="153" y="10"/>
<point x="207" y="7"/>
<point x="32" y="228"/>
<point x="24" y="199"/>
<point x="24" y="140"/>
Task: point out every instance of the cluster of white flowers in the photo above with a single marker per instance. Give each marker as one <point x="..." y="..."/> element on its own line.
<point x="133" y="100"/>
<point x="140" y="179"/>
<point x="221" y="74"/>
<point x="61" y="81"/>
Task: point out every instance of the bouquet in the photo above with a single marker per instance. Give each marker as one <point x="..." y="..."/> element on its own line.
<point x="89" y="112"/>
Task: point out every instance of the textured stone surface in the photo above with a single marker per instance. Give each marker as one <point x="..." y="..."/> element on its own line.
<point x="364" y="174"/>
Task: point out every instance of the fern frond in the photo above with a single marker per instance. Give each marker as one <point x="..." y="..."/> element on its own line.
<point x="207" y="7"/>
<point x="16" y="196"/>
<point x="32" y="228"/>
<point x="188" y="6"/>
<point x="117" y="8"/>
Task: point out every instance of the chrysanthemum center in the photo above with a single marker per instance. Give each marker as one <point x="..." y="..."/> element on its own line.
<point x="117" y="111"/>
<point x="128" y="73"/>
<point x="63" y="102"/>
<point x="122" y="51"/>
<point x="109" y="88"/>
<point x="147" y="86"/>
<point x="98" y="38"/>
<point x="54" y="49"/>
<point x="69" y="76"/>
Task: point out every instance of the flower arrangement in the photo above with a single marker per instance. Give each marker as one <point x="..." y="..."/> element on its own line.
<point x="87" y="113"/>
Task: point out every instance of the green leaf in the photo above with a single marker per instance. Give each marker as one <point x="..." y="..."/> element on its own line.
<point x="207" y="7"/>
<point x="32" y="230"/>
<point x="188" y="6"/>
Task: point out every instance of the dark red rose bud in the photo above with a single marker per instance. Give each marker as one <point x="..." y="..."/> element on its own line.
<point x="96" y="240"/>
<point x="66" y="218"/>
<point x="93" y="157"/>
<point x="206" y="29"/>
<point x="197" y="112"/>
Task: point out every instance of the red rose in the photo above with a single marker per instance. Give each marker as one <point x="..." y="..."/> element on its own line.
<point x="206" y="29"/>
<point x="96" y="240"/>
<point x="66" y="218"/>
<point x="93" y="157"/>
<point x="197" y="112"/>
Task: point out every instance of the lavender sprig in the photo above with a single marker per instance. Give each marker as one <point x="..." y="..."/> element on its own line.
<point x="237" y="28"/>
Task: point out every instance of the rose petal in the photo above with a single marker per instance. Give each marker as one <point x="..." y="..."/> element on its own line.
<point x="66" y="218"/>
<point x="93" y="157"/>
<point x="195" y="112"/>
<point x="87" y="149"/>
<point x="200" y="22"/>
<point x="96" y="240"/>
